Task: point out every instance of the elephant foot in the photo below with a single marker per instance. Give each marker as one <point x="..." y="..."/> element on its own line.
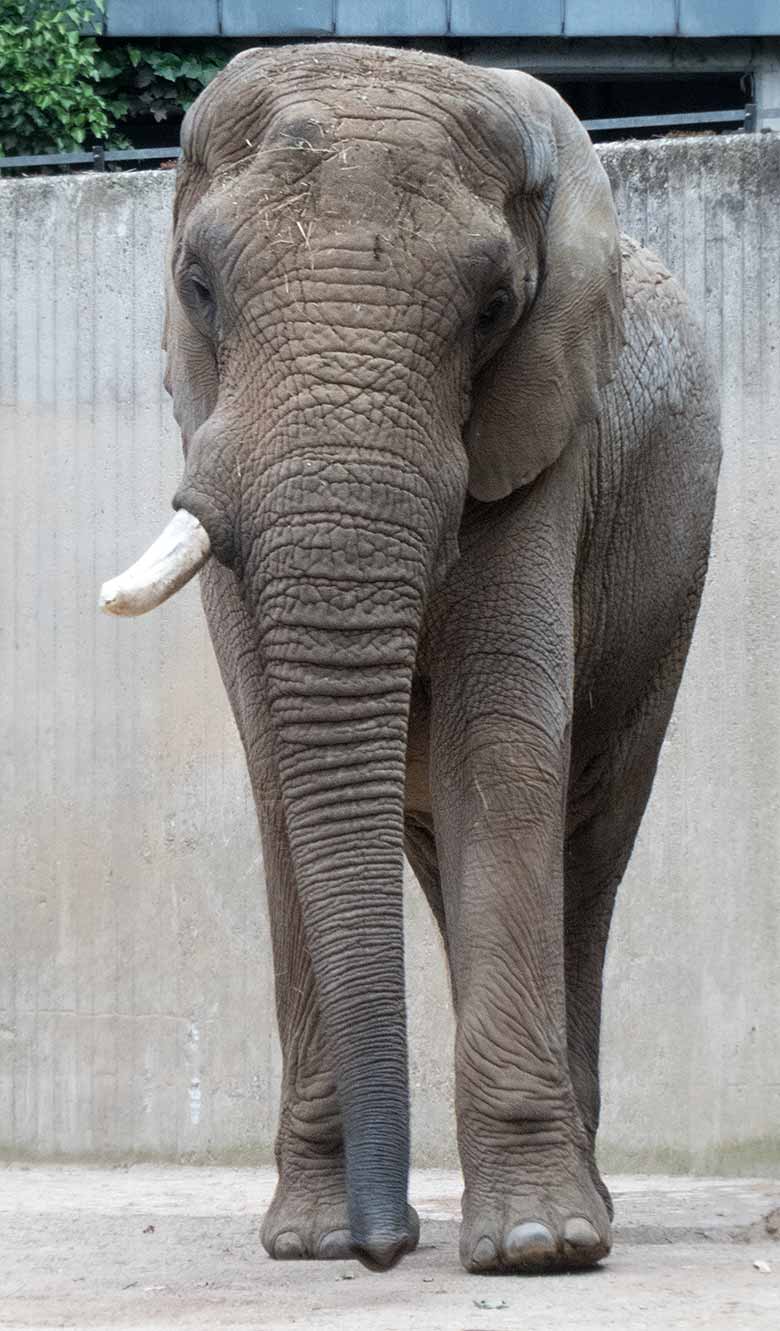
<point x="532" y="1229"/>
<point x="309" y="1222"/>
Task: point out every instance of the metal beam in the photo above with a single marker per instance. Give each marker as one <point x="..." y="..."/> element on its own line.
<point x="604" y="58"/>
<point x="683" y="118"/>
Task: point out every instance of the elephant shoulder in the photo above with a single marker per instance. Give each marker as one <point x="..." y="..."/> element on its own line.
<point x="664" y="368"/>
<point x="644" y="274"/>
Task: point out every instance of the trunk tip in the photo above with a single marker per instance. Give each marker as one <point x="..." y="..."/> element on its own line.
<point x="382" y="1253"/>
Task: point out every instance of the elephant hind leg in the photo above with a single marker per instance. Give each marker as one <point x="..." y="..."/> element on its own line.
<point x="420" y="846"/>
<point x="589" y="903"/>
<point x="606" y="801"/>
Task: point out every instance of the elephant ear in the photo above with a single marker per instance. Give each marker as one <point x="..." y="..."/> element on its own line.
<point x="193" y="396"/>
<point x="235" y="99"/>
<point x="191" y="377"/>
<point x="543" y="385"/>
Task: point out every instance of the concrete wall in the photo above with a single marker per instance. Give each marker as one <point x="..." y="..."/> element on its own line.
<point x="136" y="1010"/>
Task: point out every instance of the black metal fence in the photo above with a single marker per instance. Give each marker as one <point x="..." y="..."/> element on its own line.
<point x="98" y="158"/>
<point x="743" y="119"/>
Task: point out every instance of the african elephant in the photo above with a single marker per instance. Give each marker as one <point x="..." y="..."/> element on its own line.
<point x="451" y="451"/>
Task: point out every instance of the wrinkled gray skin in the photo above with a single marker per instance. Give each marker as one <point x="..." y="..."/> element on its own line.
<point x="456" y="450"/>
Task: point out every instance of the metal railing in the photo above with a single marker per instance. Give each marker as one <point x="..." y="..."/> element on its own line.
<point x="742" y="118"/>
<point x="97" y="157"/>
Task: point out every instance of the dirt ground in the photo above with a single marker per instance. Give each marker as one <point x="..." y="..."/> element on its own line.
<point x="150" y="1247"/>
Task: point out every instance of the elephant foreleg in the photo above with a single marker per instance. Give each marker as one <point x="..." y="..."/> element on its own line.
<point x="529" y="1201"/>
<point x="500" y="749"/>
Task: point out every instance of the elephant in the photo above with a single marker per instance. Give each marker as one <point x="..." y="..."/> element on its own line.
<point x="451" y="449"/>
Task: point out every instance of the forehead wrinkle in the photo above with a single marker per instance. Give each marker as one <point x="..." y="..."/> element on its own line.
<point x="438" y="124"/>
<point x="416" y="170"/>
<point x="356" y="113"/>
<point x="457" y="229"/>
<point x="356" y="173"/>
<point x="354" y="87"/>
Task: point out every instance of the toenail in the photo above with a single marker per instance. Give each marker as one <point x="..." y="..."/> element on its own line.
<point x="336" y="1246"/>
<point x="288" y="1246"/>
<point x="530" y="1242"/>
<point x="484" y="1253"/>
<point x="580" y="1233"/>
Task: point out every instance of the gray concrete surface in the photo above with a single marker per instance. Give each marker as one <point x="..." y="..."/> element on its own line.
<point x="766" y="86"/>
<point x="136" y="1011"/>
<point x="178" y="1247"/>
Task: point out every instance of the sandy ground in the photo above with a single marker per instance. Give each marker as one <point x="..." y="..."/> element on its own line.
<point x="149" y="1247"/>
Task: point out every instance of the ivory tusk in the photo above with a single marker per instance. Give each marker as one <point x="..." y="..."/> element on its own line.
<point x="170" y="561"/>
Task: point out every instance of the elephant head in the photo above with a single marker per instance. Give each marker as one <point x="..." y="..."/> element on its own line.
<point x="392" y="280"/>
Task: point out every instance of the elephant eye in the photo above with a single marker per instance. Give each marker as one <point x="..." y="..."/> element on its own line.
<point x="201" y="290"/>
<point x="492" y="314"/>
<point x="198" y="298"/>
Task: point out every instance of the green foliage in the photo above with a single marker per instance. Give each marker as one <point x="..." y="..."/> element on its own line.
<point x="48" y="71"/>
<point x="139" y="81"/>
<point x="61" y="90"/>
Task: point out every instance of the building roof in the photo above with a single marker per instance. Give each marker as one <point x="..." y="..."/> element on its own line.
<point x="437" y="18"/>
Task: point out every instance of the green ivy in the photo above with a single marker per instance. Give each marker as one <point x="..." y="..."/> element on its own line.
<point x="49" y="101"/>
<point x="61" y="90"/>
<point x="141" y="81"/>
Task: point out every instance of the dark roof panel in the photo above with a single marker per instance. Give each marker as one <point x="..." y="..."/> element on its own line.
<point x="391" y="18"/>
<point x="729" y="18"/>
<point x="627" y="18"/>
<point x="506" y="18"/>
<point x="277" y="18"/>
<point x="162" y="18"/>
<point x="433" y="18"/>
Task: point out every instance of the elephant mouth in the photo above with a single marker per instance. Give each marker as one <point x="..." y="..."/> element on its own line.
<point x="169" y="563"/>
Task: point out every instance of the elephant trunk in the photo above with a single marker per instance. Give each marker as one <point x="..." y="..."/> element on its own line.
<point x="335" y="576"/>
